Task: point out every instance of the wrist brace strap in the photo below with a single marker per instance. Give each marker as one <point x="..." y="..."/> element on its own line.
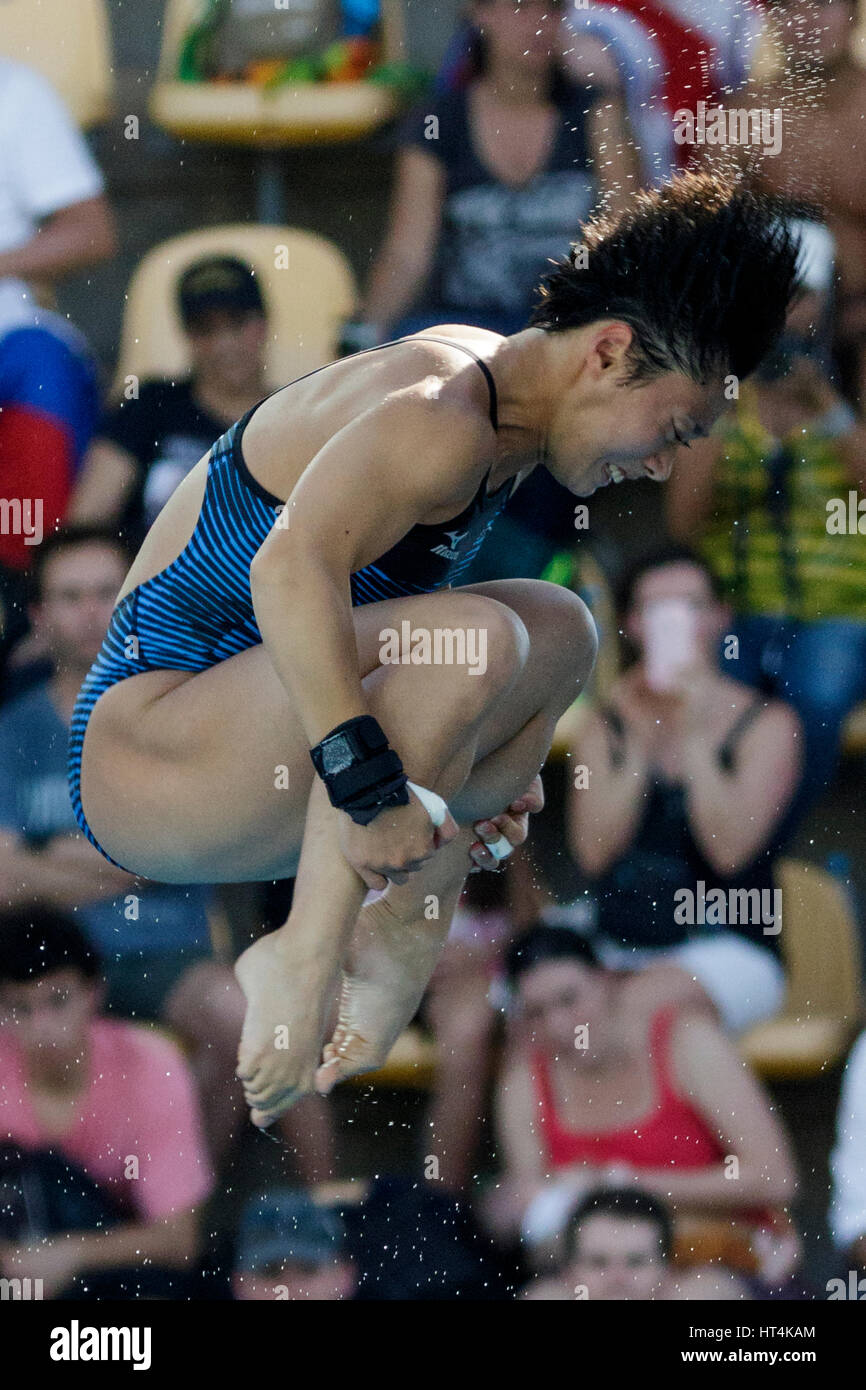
<point x="362" y="774"/>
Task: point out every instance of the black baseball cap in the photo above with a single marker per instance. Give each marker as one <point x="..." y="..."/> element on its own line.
<point x="218" y="282"/>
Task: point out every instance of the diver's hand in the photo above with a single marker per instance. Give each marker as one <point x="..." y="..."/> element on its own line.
<point x="512" y="825"/>
<point x="396" y="844"/>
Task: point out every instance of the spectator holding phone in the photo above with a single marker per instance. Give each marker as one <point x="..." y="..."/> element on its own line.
<point x="689" y="778"/>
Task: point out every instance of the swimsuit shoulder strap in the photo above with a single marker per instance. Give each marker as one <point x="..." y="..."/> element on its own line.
<point x="491" y="384"/>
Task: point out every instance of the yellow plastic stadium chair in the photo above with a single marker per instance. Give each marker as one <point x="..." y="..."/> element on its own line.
<point x="307" y="283"/>
<point x="68" y="42"/>
<point x="824" y="1004"/>
<point x="240" y="113"/>
<point x="411" y="1064"/>
<point x="854" y="732"/>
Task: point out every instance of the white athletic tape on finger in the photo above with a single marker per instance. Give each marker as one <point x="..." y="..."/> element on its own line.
<point x="500" y="848"/>
<point x="431" y="801"/>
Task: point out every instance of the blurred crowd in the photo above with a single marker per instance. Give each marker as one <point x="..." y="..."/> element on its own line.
<point x="608" y="1013"/>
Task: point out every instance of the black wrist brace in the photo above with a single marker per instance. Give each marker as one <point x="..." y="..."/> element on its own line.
<point x="362" y="774"/>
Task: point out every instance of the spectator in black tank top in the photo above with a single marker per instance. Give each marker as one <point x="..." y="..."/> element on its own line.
<point x="686" y="799"/>
<point x="147" y="444"/>
<point x="495" y="172"/>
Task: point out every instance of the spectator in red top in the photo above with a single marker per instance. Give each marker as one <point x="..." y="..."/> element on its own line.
<point x="116" y="1101"/>
<point x="603" y="1086"/>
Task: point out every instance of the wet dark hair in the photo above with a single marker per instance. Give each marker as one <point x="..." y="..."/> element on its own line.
<point x="34" y="941"/>
<point x="541" y="943"/>
<point x="621" y="1202"/>
<point x="702" y="269"/>
<point x="75" y="533"/>
<point x="659" y="557"/>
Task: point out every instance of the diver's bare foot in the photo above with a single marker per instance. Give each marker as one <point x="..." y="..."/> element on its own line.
<point x="288" y="992"/>
<point x="387" y="969"/>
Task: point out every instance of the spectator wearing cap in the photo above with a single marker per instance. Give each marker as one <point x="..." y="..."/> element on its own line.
<point x="146" y="445"/>
<point x="289" y="1248"/>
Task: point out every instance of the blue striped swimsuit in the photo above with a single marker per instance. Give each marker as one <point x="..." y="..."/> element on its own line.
<point x="199" y="610"/>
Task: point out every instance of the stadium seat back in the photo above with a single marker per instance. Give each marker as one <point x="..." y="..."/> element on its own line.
<point x="240" y="112"/>
<point x="854" y="732"/>
<point x="68" y="41"/>
<point x="823" y="1007"/>
<point x="306" y="281"/>
<point x="820" y="944"/>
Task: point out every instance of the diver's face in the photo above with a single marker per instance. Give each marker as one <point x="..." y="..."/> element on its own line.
<point x="618" y="432"/>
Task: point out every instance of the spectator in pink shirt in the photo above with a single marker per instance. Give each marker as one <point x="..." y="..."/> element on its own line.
<point x="115" y="1101"/>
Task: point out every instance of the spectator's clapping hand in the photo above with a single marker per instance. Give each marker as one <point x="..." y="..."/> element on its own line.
<point x="691" y="687"/>
<point x="636" y="704"/>
<point x="779" y="1252"/>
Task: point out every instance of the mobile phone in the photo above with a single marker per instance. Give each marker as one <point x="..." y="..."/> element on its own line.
<point x="670" y="640"/>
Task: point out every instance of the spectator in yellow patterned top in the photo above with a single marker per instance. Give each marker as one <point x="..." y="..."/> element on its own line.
<point x="771" y="500"/>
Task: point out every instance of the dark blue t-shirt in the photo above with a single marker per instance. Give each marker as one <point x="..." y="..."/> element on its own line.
<point x="496" y="239"/>
<point x="34" y="802"/>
